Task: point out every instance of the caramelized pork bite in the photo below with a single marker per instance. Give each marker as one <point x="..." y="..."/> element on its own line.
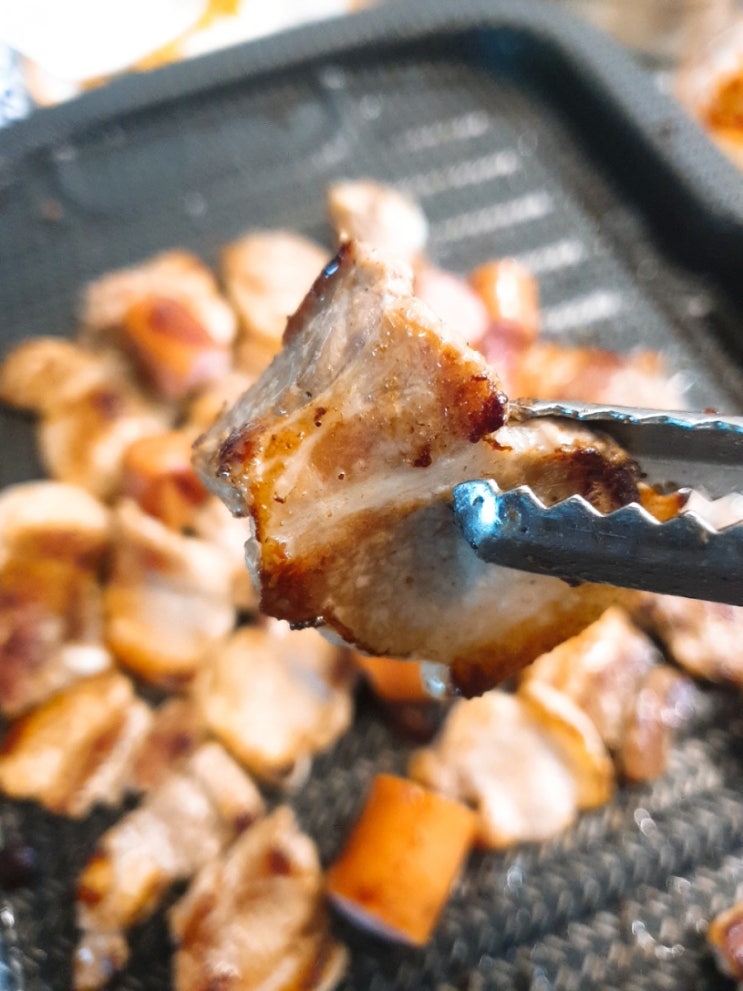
<point x="75" y="749"/>
<point x="527" y="766"/>
<point x="172" y="275"/>
<point x="53" y="538"/>
<point x="256" y="917"/>
<point x="194" y="813"/>
<point x="344" y="456"/>
<point x="169" y="598"/>
<point x="275" y="698"/>
<point x="267" y="274"/>
<point x="387" y="220"/>
<point x="90" y="409"/>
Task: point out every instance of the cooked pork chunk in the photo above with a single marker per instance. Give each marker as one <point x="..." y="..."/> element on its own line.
<point x="176" y="731"/>
<point x="173" y="275"/>
<point x="275" y="697"/>
<point x="526" y="766"/>
<point x="256" y="918"/>
<point x="90" y="409"/>
<point x="168" y="600"/>
<point x="344" y="456"/>
<point x="267" y="274"/>
<point x="724" y="937"/>
<point x="391" y="222"/>
<point x="75" y="749"/>
<point x="704" y="638"/>
<point x="194" y="813"/>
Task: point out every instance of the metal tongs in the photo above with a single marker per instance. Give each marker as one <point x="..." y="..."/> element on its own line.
<point x="630" y="548"/>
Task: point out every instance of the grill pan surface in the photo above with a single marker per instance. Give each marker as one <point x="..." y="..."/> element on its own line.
<point x="522" y="133"/>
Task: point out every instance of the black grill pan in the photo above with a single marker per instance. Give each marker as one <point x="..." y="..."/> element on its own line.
<point x="522" y="132"/>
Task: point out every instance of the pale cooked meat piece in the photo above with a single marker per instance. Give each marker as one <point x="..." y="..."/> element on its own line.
<point x="159" y="476"/>
<point x="53" y="538"/>
<point x="275" y="698"/>
<point x="267" y="274"/>
<point x="256" y="918"/>
<point x="601" y="669"/>
<point x="207" y="403"/>
<point x="175" y="275"/>
<point x="504" y="755"/>
<point x="453" y="302"/>
<point x="214" y="522"/>
<point x="168" y="599"/>
<point x="616" y="674"/>
<point x="176" y="731"/>
<point x="90" y="409"/>
<point x="664" y="702"/>
<point x="510" y="295"/>
<point x="58" y="753"/>
<point x="546" y="370"/>
<point x="193" y="814"/>
<point x="704" y="638"/>
<point x="344" y="456"/>
<point x="388" y="220"/>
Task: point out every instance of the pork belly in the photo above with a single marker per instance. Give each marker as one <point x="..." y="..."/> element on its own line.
<point x="193" y="814"/>
<point x="616" y="674"/>
<point x="169" y="598"/>
<point x="76" y="749"/>
<point x="90" y="409"/>
<point x="527" y="765"/>
<point x="256" y="918"/>
<point x="344" y="456"/>
<point x="176" y="731"/>
<point x="53" y="539"/>
<point x="267" y="274"/>
<point x="388" y="220"/>
<point x="704" y="638"/>
<point x="275" y="697"/>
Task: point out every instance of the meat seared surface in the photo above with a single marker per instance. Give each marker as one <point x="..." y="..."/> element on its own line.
<point x="344" y="455"/>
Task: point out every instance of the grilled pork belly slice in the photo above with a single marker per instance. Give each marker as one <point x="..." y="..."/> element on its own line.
<point x="75" y="749"/>
<point x="90" y="409"/>
<point x="527" y="765"/>
<point x="344" y="456"/>
<point x="267" y="274"/>
<point x="256" y="918"/>
<point x="704" y="638"/>
<point x="53" y="541"/>
<point x="169" y="598"/>
<point x="177" y="276"/>
<point x="616" y="674"/>
<point x="193" y="814"/>
<point x="380" y="216"/>
<point x="176" y="731"/>
<point x="275" y="698"/>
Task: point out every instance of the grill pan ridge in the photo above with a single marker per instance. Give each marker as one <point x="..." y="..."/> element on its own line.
<point x="522" y="132"/>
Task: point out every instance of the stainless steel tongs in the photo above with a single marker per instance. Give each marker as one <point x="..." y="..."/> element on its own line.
<point x="686" y="555"/>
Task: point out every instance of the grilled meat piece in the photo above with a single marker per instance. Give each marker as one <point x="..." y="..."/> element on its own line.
<point x="256" y="918"/>
<point x="344" y="456"/>
<point x="193" y="814"/>
<point x="276" y="697"/>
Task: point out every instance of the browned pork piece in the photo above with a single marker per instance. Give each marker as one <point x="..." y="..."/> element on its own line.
<point x="344" y="456"/>
<point x="704" y="638"/>
<point x="617" y="676"/>
<point x="90" y="410"/>
<point x="169" y="598"/>
<point x="526" y="763"/>
<point x="256" y="918"/>
<point x="176" y="731"/>
<point x="382" y="217"/>
<point x="267" y="274"/>
<point x="76" y="749"/>
<point x="53" y="538"/>
<point x="168" y="316"/>
<point x="276" y="697"/>
<point x="193" y="814"/>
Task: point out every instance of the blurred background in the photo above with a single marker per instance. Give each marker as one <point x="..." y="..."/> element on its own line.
<point x="51" y="51"/>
